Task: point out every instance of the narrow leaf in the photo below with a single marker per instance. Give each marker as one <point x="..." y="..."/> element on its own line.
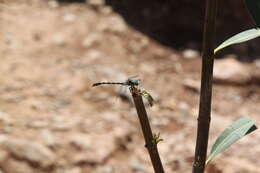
<point x="253" y="7"/>
<point x="230" y="135"/>
<point x="239" y="38"/>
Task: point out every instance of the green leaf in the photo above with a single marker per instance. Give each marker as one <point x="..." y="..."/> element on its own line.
<point x="239" y="38"/>
<point x="253" y="7"/>
<point x="230" y="135"/>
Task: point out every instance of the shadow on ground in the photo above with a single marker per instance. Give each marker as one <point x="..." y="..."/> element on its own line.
<point x="179" y="24"/>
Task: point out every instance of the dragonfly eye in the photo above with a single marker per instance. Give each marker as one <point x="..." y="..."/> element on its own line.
<point x="135" y="82"/>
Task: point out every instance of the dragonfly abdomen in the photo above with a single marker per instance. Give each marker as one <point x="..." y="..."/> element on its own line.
<point x="108" y="83"/>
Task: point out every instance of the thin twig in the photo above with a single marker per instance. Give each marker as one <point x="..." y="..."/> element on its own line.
<point x="147" y="132"/>
<point x="206" y="87"/>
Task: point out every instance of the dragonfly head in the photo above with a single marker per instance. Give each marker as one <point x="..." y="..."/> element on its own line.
<point x="133" y="82"/>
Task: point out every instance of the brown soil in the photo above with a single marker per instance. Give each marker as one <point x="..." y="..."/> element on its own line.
<point x="51" y="55"/>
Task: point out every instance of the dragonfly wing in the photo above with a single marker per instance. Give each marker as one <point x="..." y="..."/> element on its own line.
<point x="132" y="77"/>
<point x="124" y="94"/>
<point x="148" y="97"/>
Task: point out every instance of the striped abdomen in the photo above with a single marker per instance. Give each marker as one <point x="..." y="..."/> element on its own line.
<point x="108" y="83"/>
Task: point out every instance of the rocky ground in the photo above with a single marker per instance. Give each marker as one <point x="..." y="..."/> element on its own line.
<point x="53" y="121"/>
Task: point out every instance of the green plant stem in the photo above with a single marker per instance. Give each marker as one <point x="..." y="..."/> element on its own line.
<point x="147" y="133"/>
<point x="206" y="87"/>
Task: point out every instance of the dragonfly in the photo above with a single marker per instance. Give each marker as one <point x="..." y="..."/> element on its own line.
<point x="128" y="82"/>
<point x="133" y="84"/>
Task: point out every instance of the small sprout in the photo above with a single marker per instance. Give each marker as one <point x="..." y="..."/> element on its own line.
<point x="197" y="162"/>
<point x="156" y="138"/>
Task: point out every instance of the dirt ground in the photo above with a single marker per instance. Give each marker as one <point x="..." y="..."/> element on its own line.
<point x="53" y="121"/>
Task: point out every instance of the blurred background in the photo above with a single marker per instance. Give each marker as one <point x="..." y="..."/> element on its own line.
<point x="53" y="121"/>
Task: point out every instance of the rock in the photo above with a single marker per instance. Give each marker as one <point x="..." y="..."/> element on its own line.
<point x="94" y="54"/>
<point x="106" y="10"/>
<point x="230" y="71"/>
<point x="190" y="54"/>
<point x="3" y="138"/>
<point x="138" y="45"/>
<point x="59" y="123"/>
<point x="178" y="67"/>
<point x="3" y="156"/>
<point x="256" y="72"/>
<point x="236" y="164"/>
<point x="96" y="148"/>
<point x="62" y="126"/>
<point x="183" y="106"/>
<point x="105" y="169"/>
<point x="8" y="39"/>
<point x="48" y="138"/>
<point x="192" y="85"/>
<point x="5" y="118"/>
<point x="96" y="2"/>
<point x="169" y="104"/>
<point x="37" y="105"/>
<point x="74" y="170"/>
<point x="7" y="129"/>
<point x="37" y="124"/>
<point x="11" y="98"/>
<point x="113" y="24"/>
<point x="93" y="149"/>
<point x="90" y="40"/>
<point x="257" y="63"/>
<point x="69" y="18"/>
<point x="213" y="168"/>
<point x="59" y="40"/>
<point x="16" y="166"/>
<point x="162" y="121"/>
<point x="53" y="4"/>
<point x="81" y="142"/>
<point x="136" y="166"/>
<point x="28" y="150"/>
<point x="68" y="170"/>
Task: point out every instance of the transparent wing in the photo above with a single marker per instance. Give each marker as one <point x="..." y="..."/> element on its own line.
<point x="143" y="93"/>
<point x="133" y="77"/>
<point x="148" y="97"/>
<point x="124" y="94"/>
